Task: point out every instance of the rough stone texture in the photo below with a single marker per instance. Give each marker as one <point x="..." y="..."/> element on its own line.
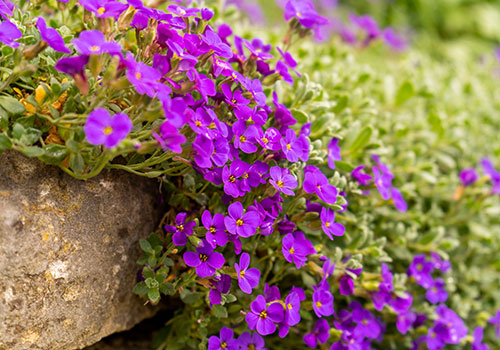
<point x="68" y="252"/>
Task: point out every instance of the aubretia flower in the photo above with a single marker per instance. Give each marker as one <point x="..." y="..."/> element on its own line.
<point x="93" y="42"/>
<point x="8" y="33"/>
<point x="51" y="36"/>
<point x="367" y="326"/>
<point x="383" y="180"/>
<point x="494" y="175"/>
<point x="477" y="344"/>
<point x="143" y="77"/>
<point x="440" y="264"/>
<point x="216" y="234"/>
<point x="231" y="177"/>
<point x="181" y="230"/>
<point x="495" y="321"/>
<point x="104" y="8"/>
<point x="249" y="341"/>
<point x="436" y="292"/>
<point x="247" y="278"/>
<point x="304" y="11"/>
<point x="367" y="24"/>
<point x="322" y="301"/>
<point x="205" y="260"/>
<point x="395" y="41"/>
<point x="240" y="223"/>
<point x="221" y="286"/>
<point x="290" y="146"/>
<point x="346" y="285"/>
<point x="225" y="340"/>
<point x="103" y="129"/>
<point x="421" y="270"/>
<point x="282" y="180"/>
<point x="333" y="152"/>
<point x="263" y="317"/>
<point x="169" y="138"/>
<point x="319" y="334"/>
<point x="362" y="178"/>
<point x="296" y="247"/>
<point x="316" y="182"/>
<point x="329" y="226"/>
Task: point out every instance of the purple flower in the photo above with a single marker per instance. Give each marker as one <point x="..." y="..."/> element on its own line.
<point x="333" y="152"/>
<point x="240" y="223"/>
<point x="290" y="146"/>
<point x="262" y="317"/>
<point x="6" y="8"/>
<point x="249" y="341"/>
<point x="143" y="77"/>
<point x="346" y="285"/>
<point x="73" y="65"/>
<point x="494" y="175"/>
<point x="436" y="292"/>
<point x="362" y="178"/>
<point x="477" y="344"/>
<point x="51" y="36"/>
<point x="405" y="321"/>
<point x="235" y="98"/>
<point x="231" y="177"/>
<point x="319" y="334"/>
<point x="383" y="180"/>
<point x="495" y="321"/>
<point x="104" y="8"/>
<point x="170" y="138"/>
<point x="282" y="180"/>
<point x="103" y="129"/>
<point x="448" y="328"/>
<point x="395" y="42"/>
<point x="322" y="301"/>
<point x="8" y="33"/>
<point x="329" y="226"/>
<point x="225" y="340"/>
<point x="245" y="138"/>
<point x="205" y="260"/>
<point x="304" y="11"/>
<point x="93" y="42"/>
<point x="181" y="230"/>
<point x="421" y="270"/>
<point x="247" y="278"/>
<point x="296" y="247"/>
<point x="439" y="263"/>
<point x="216" y="234"/>
<point x="181" y="11"/>
<point x="367" y="326"/>
<point x="316" y="182"/>
<point x="270" y="140"/>
<point x="399" y="201"/>
<point x="221" y="286"/>
<point x="367" y="24"/>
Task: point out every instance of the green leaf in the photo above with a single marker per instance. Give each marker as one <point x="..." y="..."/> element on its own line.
<point x="4" y="142"/>
<point x="76" y="162"/>
<point x="54" y="153"/>
<point x="154" y="295"/>
<point x="405" y="92"/>
<point x="301" y="117"/>
<point x="361" y="140"/>
<point x="152" y="283"/>
<point x="147" y="272"/>
<point x="344" y="166"/>
<point x="167" y="288"/>
<point x="219" y="311"/>
<point x="146" y="246"/>
<point x="32" y="151"/>
<point x="11" y="105"/>
<point x="191" y="298"/>
<point x="140" y="289"/>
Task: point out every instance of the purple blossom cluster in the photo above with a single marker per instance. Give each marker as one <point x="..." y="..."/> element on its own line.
<point x="469" y="176"/>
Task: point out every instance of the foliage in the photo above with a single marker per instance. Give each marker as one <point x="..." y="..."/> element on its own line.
<point x="310" y="227"/>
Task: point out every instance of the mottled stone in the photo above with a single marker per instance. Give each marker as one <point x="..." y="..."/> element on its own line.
<point x="68" y="251"/>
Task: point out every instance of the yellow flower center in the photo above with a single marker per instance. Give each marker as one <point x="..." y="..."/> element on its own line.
<point x="279" y="183"/>
<point x="197" y="123"/>
<point x="212" y="125"/>
<point x="212" y="229"/>
<point x="243" y="139"/>
<point x="95" y="48"/>
<point x="265" y="140"/>
<point x="299" y="14"/>
<point x="242" y="274"/>
<point x="180" y="227"/>
<point x="138" y="75"/>
<point x="239" y="222"/>
<point x="327" y="224"/>
<point x="291" y="250"/>
<point x="288" y="146"/>
<point x="108" y="130"/>
<point x="251" y="347"/>
<point x="245" y="176"/>
<point x="289" y="306"/>
<point x="101" y="10"/>
<point x="318" y="304"/>
<point x="203" y="257"/>
<point x="232" y="178"/>
<point x="263" y="314"/>
<point x="223" y="345"/>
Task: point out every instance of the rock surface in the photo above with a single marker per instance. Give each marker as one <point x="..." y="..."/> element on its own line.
<point x="68" y="251"/>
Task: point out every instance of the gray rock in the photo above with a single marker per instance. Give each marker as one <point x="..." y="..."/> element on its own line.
<point x="68" y="251"/>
